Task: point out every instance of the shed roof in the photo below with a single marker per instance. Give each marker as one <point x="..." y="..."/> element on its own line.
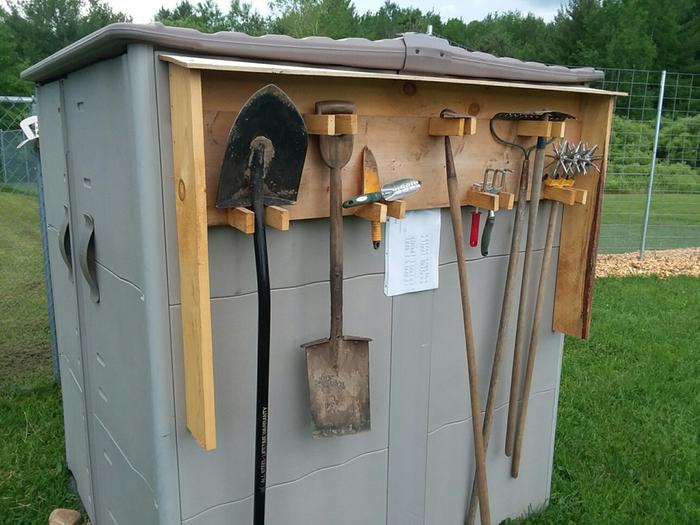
<point x="411" y="53"/>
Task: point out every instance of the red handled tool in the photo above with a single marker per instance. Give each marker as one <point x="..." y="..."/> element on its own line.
<point x="474" y="232"/>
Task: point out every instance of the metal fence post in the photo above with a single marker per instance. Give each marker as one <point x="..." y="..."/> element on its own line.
<point x="2" y="152"/>
<point x="647" y="209"/>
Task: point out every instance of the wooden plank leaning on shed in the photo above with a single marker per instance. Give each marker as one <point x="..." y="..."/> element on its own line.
<point x="191" y="213"/>
<point x="580" y="228"/>
<point x="394" y="118"/>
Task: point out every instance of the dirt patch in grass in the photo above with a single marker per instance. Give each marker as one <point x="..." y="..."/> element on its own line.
<point x="14" y="362"/>
<point x="663" y="263"/>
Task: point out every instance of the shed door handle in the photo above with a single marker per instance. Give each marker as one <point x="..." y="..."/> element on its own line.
<point x="86" y="256"/>
<point x="64" y="245"/>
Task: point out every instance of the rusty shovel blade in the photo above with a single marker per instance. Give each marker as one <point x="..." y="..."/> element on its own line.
<point x="339" y="385"/>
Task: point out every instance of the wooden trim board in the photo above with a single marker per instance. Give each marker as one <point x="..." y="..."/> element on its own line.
<point x="220" y="64"/>
<point x="191" y="214"/>
<point x="579" y="230"/>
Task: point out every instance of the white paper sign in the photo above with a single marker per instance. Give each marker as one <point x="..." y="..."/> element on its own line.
<point x="411" y="256"/>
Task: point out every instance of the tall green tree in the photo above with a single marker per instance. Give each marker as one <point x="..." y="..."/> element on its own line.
<point x="391" y="20"/>
<point x="643" y="34"/>
<point x="455" y="30"/>
<point x="11" y="64"/>
<point x="337" y="19"/>
<point x="42" y="27"/>
<point x="208" y="18"/>
<point x="204" y="16"/>
<point x="241" y="17"/>
<point x="297" y="18"/>
<point x="510" y="34"/>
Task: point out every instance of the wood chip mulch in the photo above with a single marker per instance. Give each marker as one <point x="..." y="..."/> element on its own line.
<point x="664" y="263"/>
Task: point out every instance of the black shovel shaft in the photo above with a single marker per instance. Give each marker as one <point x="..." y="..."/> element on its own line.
<point x="261" y="411"/>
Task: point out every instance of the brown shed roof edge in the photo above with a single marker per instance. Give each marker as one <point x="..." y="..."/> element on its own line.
<point x="411" y="53"/>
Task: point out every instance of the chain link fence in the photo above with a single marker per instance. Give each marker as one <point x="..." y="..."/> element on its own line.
<point x="24" y="317"/>
<point x="19" y="167"/>
<point x="671" y="100"/>
<point x="649" y="207"/>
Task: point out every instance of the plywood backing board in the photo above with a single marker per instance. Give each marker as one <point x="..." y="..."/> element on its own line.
<point x="395" y="125"/>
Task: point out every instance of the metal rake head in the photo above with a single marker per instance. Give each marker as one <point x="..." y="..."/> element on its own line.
<point x="554" y="116"/>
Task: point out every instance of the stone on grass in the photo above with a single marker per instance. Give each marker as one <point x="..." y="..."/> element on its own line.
<point x="65" y="517"/>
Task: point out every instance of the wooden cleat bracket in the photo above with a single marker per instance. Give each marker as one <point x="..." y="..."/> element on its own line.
<point x="452" y="127"/>
<point x="331" y="124"/>
<point x="541" y="128"/>
<point x="481" y="199"/>
<point x="396" y="209"/>
<point x="243" y="219"/>
<point x="506" y="200"/>
<point x="560" y="194"/>
<point x="374" y="212"/>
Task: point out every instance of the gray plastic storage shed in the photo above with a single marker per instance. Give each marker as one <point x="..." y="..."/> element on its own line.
<point x="107" y="160"/>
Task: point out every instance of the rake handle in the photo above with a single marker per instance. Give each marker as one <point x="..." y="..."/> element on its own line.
<point x="523" y="307"/>
<point x="504" y="323"/>
<point x="534" y="335"/>
<point x="479" y="454"/>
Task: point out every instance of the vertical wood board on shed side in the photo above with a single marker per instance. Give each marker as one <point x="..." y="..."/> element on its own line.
<point x="580" y="228"/>
<point x="191" y="214"/>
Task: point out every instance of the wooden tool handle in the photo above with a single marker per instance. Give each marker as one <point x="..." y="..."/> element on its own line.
<point x="524" y="306"/>
<point x="504" y="323"/>
<point x="474" y="231"/>
<point x="336" y="245"/>
<point x="486" y="235"/>
<point x="336" y="152"/>
<point x="376" y="234"/>
<point x="456" y="215"/>
<point x="361" y="200"/>
<point x="534" y="336"/>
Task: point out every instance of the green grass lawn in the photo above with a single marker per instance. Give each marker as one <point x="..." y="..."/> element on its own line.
<point x="33" y="475"/>
<point x="674" y="222"/>
<point x="628" y="433"/>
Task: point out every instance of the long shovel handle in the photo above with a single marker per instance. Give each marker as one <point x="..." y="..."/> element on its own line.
<point x="263" y="370"/>
<point x="504" y="323"/>
<point x="456" y="215"/>
<point x="523" y="307"/>
<point x="336" y="255"/>
<point x="534" y="335"/>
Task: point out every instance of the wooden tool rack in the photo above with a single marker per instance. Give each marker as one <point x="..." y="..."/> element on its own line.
<point x="398" y="117"/>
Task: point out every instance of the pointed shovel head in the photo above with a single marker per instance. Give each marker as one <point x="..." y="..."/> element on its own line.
<point x="271" y="118"/>
<point x="338" y="372"/>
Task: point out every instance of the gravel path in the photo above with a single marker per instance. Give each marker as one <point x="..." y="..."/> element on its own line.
<point x="664" y="263"/>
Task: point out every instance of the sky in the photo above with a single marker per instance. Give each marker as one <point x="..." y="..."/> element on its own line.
<point x="143" y="10"/>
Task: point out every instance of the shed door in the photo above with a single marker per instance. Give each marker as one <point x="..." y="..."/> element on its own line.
<point x="109" y="277"/>
<point x="62" y="261"/>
